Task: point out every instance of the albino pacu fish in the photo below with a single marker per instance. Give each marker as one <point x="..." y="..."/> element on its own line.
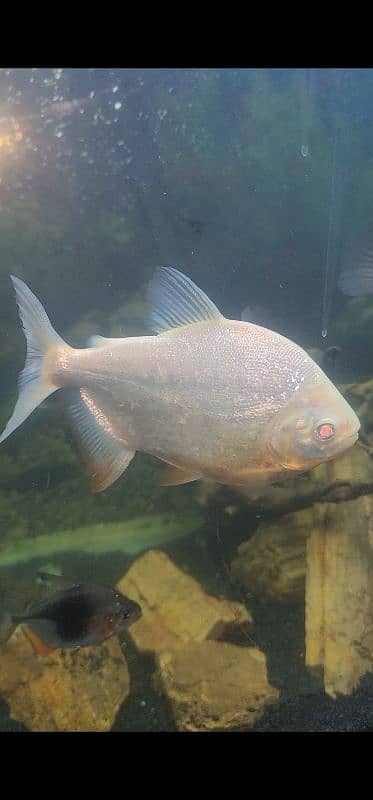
<point x="210" y="396"/>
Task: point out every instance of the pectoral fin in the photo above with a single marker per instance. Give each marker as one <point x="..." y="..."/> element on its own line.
<point x="174" y="476"/>
<point x="105" y="453"/>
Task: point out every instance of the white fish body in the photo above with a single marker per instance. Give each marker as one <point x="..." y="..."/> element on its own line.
<point x="212" y="397"/>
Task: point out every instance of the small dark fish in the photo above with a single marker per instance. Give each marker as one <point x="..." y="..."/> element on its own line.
<point x="75" y="615"/>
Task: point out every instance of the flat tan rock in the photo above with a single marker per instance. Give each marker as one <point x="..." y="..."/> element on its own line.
<point x="175" y="609"/>
<point x="215" y="685"/>
<point x="67" y="691"/>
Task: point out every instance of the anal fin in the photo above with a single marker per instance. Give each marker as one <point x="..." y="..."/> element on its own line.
<point x="175" y="476"/>
<point x="105" y="453"/>
<point x="40" y="648"/>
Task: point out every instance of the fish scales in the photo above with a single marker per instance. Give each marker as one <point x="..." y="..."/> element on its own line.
<point x="213" y="397"/>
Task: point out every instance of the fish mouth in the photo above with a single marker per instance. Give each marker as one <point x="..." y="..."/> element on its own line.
<point x="322" y="456"/>
<point x="135" y="614"/>
<point x="354" y="436"/>
<point x="348" y="442"/>
<point x="351" y="439"/>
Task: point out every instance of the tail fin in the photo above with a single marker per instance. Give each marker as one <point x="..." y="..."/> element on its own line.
<point x="33" y="383"/>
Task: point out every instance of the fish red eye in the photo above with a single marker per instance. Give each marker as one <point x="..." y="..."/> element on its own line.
<point x="325" y="431"/>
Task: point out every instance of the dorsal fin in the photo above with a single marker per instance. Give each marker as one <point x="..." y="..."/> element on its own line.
<point x="174" y="300"/>
<point x="57" y="583"/>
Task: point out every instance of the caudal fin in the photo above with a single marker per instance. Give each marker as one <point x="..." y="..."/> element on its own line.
<point x="33" y="382"/>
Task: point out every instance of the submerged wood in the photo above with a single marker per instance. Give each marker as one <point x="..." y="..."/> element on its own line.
<point x="321" y="553"/>
<point x="339" y="595"/>
<point x="325" y="555"/>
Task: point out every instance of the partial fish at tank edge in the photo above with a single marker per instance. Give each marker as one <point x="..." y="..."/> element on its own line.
<point x="356" y="277"/>
<point x="212" y="397"/>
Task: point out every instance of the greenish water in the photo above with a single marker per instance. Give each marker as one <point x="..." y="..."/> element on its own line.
<point x="258" y="185"/>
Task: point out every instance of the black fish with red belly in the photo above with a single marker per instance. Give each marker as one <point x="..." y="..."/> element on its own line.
<point x="76" y="615"/>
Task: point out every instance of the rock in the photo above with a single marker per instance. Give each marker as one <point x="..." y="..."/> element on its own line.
<point x="272" y="564"/>
<point x="68" y="691"/>
<point x="215" y="685"/>
<point x="210" y="683"/>
<point x="175" y="609"/>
